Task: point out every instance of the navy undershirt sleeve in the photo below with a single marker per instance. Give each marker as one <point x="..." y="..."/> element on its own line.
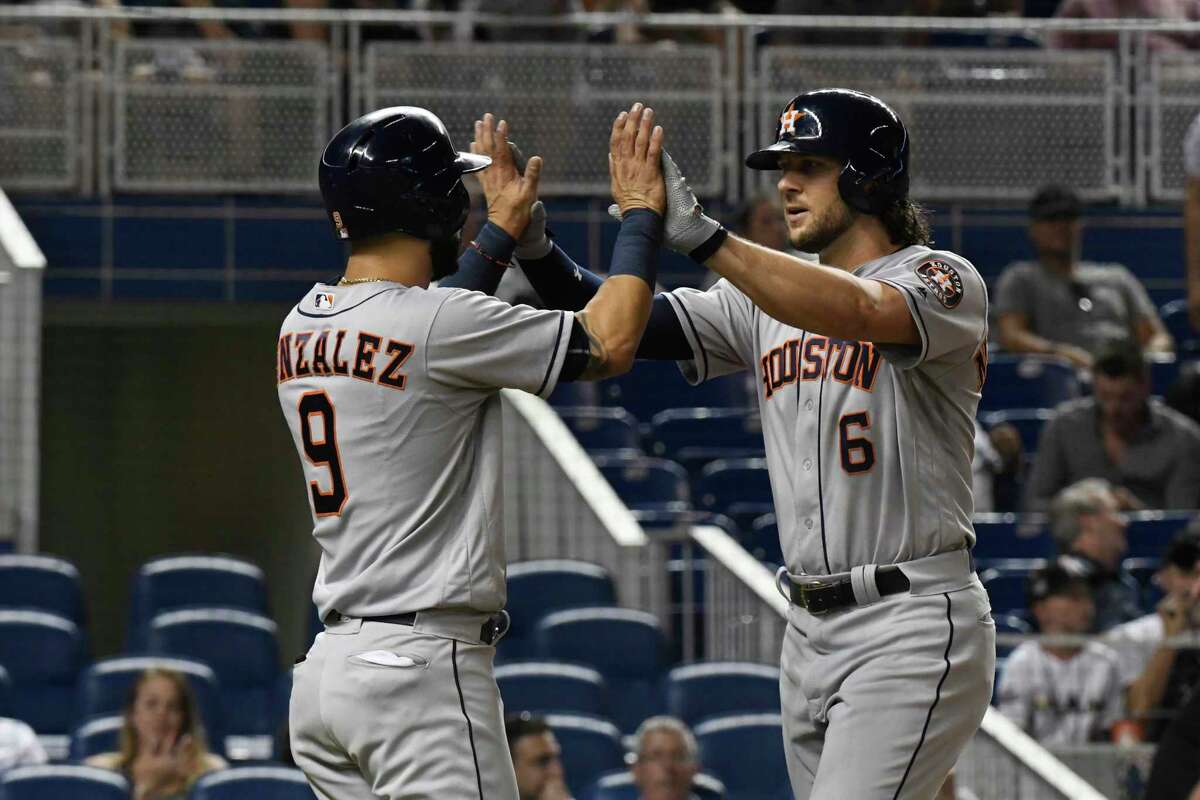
<point x="477" y="272"/>
<point x="563" y="284"/>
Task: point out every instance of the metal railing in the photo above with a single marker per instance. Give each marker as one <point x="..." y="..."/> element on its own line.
<point x="86" y="108"/>
<point x="558" y="505"/>
<point x="21" y="267"/>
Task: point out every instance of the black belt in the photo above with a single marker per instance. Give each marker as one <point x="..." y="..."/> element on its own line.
<point x="493" y="629"/>
<point x="822" y="597"/>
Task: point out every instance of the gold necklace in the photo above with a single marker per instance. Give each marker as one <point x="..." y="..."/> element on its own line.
<point x="344" y="281"/>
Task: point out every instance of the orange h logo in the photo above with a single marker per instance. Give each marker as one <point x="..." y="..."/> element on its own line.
<point x="787" y="122"/>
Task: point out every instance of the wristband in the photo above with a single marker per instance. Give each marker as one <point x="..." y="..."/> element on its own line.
<point x="637" y="245"/>
<point x="495" y="245"/>
<point x="706" y="251"/>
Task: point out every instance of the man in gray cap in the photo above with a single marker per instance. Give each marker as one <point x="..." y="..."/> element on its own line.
<point x="1059" y="305"/>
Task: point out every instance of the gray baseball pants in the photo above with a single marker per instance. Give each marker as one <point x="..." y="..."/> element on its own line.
<point x="381" y="711"/>
<point x="880" y="699"/>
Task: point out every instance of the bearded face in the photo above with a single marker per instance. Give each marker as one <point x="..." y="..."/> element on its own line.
<point x="814" y="210"/>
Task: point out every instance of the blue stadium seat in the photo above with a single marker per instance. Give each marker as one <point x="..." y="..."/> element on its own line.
<point x="736" y="487"/>
<point x="654" y="386"/>
<point x="1005" y="583"/>
<point x="700" y="691"/>
<point x="648" y="484"/>
<point x="1150" y="532"/>
<point x="763" y="541"/>
<point x="746" y="752"/>
<point x="1005" y="536"/>
<point x="604" y="430"/>
<point x="1164" y="369"/>
<point x="549" y="687"/>
<point x="1142" y="570"/>
<point x="625" y="646"/>
<point x="95" y="736"/>
<point x="105" y="685"/>
<point x="186" y="581"/>
<point x="694" y="437"/>
<point x="44" y="583"/>
<point x="1020" y="381"/>
<point x="538" y="587"/>
<point x="63" y="781"/>
<point x="619" y="785"/>
<point x="1028" y="422"/>
<point x="1010" y="623"/>
<point x="241" y="648"/>
<point x="44" y="654"/>
<point x="264" y="782"/>
<point x="1175" y="316"/>
<point x="590" y="747"/>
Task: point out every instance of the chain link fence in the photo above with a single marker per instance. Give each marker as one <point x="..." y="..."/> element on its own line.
<point x="1174" y="101"/>
<point x="39" y="114"/>
<point x="561" y="100"/>
<point x="985" y="124"/>
<point x="219" y="116"/>
<point x="246" y="116"/>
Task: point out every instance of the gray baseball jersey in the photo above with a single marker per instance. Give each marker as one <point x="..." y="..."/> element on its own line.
<point x="869" y="446"/>
<point x="1062" y="701"/>
<point x="391" y="394"/>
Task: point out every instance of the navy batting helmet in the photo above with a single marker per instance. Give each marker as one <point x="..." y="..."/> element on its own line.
<point x="396" y="170"/>
<point x="861" y="130"/>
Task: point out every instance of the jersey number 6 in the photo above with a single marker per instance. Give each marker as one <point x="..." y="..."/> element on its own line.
<point x="323" y="453"/>
<point x="858" y="454"/>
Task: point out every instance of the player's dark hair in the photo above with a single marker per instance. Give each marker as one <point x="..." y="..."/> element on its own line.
<point x="519" y="725"/>
<point x="907" y="223"/>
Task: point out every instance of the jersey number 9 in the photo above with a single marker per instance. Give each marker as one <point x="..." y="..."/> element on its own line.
<point x="323" y="453"/>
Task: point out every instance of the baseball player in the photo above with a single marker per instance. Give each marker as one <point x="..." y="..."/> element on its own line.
<point x="390" y="389"/>
<point x="869" y="368"/>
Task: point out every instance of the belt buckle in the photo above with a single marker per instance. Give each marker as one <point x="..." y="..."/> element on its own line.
<point x="809" y="592"/>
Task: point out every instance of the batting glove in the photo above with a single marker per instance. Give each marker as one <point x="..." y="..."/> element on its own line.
<point x="534" y="243"/>
<point x="686" y="228"/>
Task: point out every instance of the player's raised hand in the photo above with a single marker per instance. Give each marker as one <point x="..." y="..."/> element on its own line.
<point x="509" y="192"/>
<point x="634" y="164"/>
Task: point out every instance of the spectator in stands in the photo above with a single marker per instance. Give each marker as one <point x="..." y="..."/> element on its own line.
<point x="665" y="752"/>
<point x="1177" y="10"/>
<point x="1062" y="694"/>
<point x="1135" y="442"/>
<point x="1061" y="306"/>
<point x="1086" y="525"/>
<point x="537" y="758"/>
<point x="19" y="745"/>
<point x="163" y="749"/>
<point x="1160" y="678"/>
<point x="1191" y="219"/>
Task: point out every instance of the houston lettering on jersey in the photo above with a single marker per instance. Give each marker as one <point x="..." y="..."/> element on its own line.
<point x="330" y="354"/>
<point x="810" y="357"/>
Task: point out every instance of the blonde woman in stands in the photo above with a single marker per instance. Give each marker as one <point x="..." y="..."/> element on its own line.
<point x="163" y="750"/>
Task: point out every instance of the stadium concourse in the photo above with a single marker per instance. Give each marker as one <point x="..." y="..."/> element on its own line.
<point x="163" y="219"/>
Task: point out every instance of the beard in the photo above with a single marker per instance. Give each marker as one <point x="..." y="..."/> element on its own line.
<point x="825" y="229"/>
<point x="444" y="254"/>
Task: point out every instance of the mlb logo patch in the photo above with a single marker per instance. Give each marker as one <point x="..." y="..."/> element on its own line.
<point x="324" y="300"/>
